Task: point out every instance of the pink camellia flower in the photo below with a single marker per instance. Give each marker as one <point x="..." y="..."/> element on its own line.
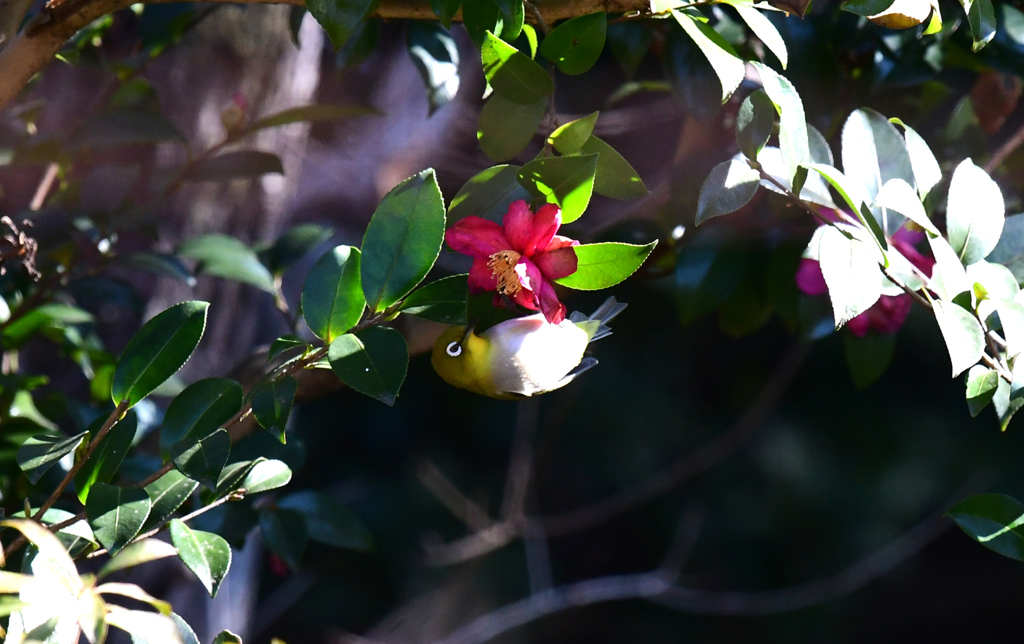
<point x="887" y="315"/>
<point x="519" y="259"/>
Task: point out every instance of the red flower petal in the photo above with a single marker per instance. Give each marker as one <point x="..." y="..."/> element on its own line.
<point x="558" y="263"/>
<point x="518" y="224"/>
<point x="476" y="237"/>
<point x="481" y="277"/>
<point x="809" y="278"/>
<point x="545" y="225"/>
<point x="530" y="278"/>
<point x="560" y="241"/>
<point x="554" y="311"/>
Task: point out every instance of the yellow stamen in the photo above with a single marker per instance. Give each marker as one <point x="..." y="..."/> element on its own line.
<point x="503" y="268"/>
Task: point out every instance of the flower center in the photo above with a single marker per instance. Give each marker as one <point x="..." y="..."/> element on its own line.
<point x="503" y="268"/>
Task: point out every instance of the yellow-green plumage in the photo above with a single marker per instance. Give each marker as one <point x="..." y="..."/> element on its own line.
<point x="520" y="357"/>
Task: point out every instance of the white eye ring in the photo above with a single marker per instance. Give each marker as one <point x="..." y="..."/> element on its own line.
<point x="454" y="349"/>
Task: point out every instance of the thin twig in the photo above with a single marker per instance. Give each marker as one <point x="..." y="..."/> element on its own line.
<point x="44" y="187"/>
<point x="1005" y="150"/>
<point x="537" y="14"/>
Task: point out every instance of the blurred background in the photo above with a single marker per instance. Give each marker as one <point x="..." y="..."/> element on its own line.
<point x="723" y="436"/>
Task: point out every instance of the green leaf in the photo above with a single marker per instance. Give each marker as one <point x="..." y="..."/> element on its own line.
<point x="1006" y="406"/>
<point x="1011" y="317"/>
<point x="102" y="466"/>
<point x="962" y="333"/>
<point x="372" y="362"/>
<point x="47" y="316"/>
<point x="136" y="554"/>
<point x="286" y="343"/>
<point x="850" y="267"/>
<point x="332" y="297"/>
<point x="762" y="28"/>
<point x="402" y="241"/>
<point x="284" y="533"/>
<point x="202" y="458"/>
<point x="898" y="195"/>
<point x="266" y="474"/>
<point x="327" y="521"/>
<point x="445" y="10"/>
<point x="161" y="347"/>
<point x="868" y="357"/>
<point x="124" y="127"/>
<point x="729" y="67"/>
<point x="926" y="169"/>
<point x="482" y="16"/>
<point x="570" y="137"/>
<point x="227" y="257"/>
<point x="975" y="213"/>
<point x="513" y="15"/>
<point x="239" y="164"/>
<point x="207" y="555"/>
<point x="982" y="383"/>
<point x="436" y="56"/>
<point x="505" y="128"/>
<point x="615" y="178"/>
<point x="272" y="403"/>
<point x="233" y="475"/>
<point x="147" y="627"/>
<point x="994" y="521"/>
<point x="997" y="280"/>
<point x="293" y="245"/>
<point x="316" y="113"/>
<point x="39" y="453"/>
<point x="200" y="409"/>
<point x="442" y="301"/>
<point x="729" y="187"/>
<point x="1010" y="249"/>
<point x="339" y="17"/>
<point x="982" y="18"/>
<point x="488" y="194"/>
<point x="874" y="153"/>
<point x="512" y="74"/>
<point x="167" y="493"/>
<point x="161" y="264"/>
<point x="227" y="637"/>
<point x="576" y="44"/>
<point x="567" y="182"/>
<point x="603" y="265"/>
<point x="948" y="275"/>
<point x="754" y="123"/>
<point x="116" y="514"/>
<point x="793" y="136"/>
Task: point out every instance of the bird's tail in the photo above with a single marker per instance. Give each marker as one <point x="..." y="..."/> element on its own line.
<point x="596" y="325"/>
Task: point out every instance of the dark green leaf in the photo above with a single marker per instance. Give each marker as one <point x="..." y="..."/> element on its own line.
<point x="402" y="240"/>
<point x="981" y="387"/>
<point x="575" y="45"/>
<point x="266" y="475"/>
<point x="233" y="475"/>
<point x="124" y="127"/>
<point x="867" y="8"/>
<point x="327" y="521"/>
<point x="729" y="67"/>
<point x="102" y="466"/>
<point x="284" y="533"/>
<point x="629" y="43"/>
<point x="207" y="555"/>
<point x="317" y="113"/>
<point x="982" y="17"/>
<point x="513" y="16"/>
<point x="975" y="213"/>
<point x="286" y="343"/>
<point x="874" y="153"/>
<point x="1006" y="406"/>
<point x="994" y="521"/>
<point x="372" y="362"/>
<point x="488" y="194"/>
<point x="512" y="74"/>
<point x="754" y="123"/>
<point x="445" y="10"/>
<point x="227" y="257"/>
<point x="116" y="514"/>
<point x="603" y="265"/>
<point x="482" y="16"/>
<point x="436" y="56"/>
<point x="567" y="182"/>
<point x="47" y="316"/>
<point x="962" y="333"/>
<point x="239" y="164"/>
<point x="570" y="137"/>
<point x="505" y="128"/>
<point x="201" y="408"/>
<point x="339" y="17"/>
<point x="202" y="458"/>
<point x="868" y="357"/>
<point x="272" y="403"/>
<point x="705" y="277"/>
<point x="167" y="493"/>
<point x="39" y="453"/>
<point x="161" y="264"/>
<point x="227" y="637"/>
<point x="442" y="301"/>
<point x="729" y="187"/>
<point x="332" y="297"/>
<point x="294" y="245"/>
<point x="615" y="178"/>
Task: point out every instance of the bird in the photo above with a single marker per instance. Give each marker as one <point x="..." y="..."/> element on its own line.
<point x="522" y="357"/>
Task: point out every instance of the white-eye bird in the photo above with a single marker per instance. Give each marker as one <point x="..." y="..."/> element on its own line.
<point x="521" y="357"/>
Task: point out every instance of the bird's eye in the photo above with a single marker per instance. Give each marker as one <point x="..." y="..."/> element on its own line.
<point x="454" y="349"/>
